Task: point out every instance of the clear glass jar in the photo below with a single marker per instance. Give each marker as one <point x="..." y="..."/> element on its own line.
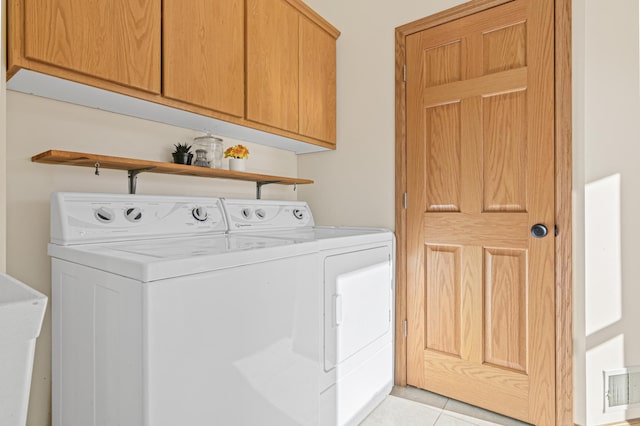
<point x="213" y="147"/>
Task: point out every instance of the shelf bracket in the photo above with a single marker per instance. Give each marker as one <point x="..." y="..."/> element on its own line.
<point x="260" y="184"/>
<point x="133" y="177"/>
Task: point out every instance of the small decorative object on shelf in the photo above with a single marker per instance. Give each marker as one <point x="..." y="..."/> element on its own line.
<point x="213" y="147"/>
<point x="182" y="154"/>
<point x="238" y="155"/>
<point x="201" y="158"/>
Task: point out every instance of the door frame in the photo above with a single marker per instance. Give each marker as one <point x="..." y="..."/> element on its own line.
<point x="563" y="209"/>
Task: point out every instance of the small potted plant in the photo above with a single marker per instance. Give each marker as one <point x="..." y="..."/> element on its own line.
<point x="237" y="155"/>
<point x="182" y="154"/>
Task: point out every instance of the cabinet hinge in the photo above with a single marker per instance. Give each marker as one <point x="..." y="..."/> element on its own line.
<point x="404" y="72"/>
<point x="404" y="200"/>
<point x="405" y="328"/>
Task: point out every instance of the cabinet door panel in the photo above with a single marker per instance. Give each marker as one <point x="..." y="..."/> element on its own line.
<point x="272" y="63"/>
<point x="116" y="40"/>
<point x="317" y="82"/>
<point x="203" y="53"/>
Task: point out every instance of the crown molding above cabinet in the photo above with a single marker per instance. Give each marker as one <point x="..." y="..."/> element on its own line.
<point x="76" y="56"/>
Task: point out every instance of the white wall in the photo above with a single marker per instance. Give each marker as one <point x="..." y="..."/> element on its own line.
<point x="3" y="139"/>
<point x="35" y="125"/>
<point x="355" y="183"/>
<point x="606" y="150"/>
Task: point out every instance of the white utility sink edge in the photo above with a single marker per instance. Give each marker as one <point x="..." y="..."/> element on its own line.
<point x="21" y="310"/>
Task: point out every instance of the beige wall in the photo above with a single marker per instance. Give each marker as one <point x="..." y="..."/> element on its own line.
<point x="355" y="184"/>
<point x="35" y="125"/>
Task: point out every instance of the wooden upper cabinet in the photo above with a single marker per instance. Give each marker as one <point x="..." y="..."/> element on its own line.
<point x="115" y="40"/>
<point x="291" y="68"/>
<point x="203" y="53"/>
<point x="272" y="63"/>
<point x="317" y="98"/>
<point x="268" y="65"/>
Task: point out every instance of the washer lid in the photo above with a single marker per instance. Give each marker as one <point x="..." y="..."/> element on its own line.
<point x="185" y="248"/>
<point x="152" y="260"/>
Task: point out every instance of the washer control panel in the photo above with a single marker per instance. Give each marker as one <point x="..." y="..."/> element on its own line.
<point x="259" y="215"/>
<point x="84" y="218"/>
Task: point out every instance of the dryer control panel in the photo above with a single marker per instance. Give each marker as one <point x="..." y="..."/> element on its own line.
<point x="264" y="215"/>
<point x="79" y="218"/>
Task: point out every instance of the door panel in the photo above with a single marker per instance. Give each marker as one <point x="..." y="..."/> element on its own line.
<point x="505" y="48"/>
<point x="118" y="40"/>
<point x="203" y="53"/>
<point x="443" y="177"/>
<point x="442" y="64"/>
<point x="443" y="300"/>
<point x="317" y="85"/>
<point x="480" y="158"/>
<point x="505" y="152"/>
<point x="505" y="302"/>
<point x="272" y="63"/>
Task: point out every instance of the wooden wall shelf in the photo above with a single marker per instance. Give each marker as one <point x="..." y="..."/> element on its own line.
<point x="135" y="167"/>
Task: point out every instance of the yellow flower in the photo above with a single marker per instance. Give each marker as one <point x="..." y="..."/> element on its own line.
<point x="237" y="151"/>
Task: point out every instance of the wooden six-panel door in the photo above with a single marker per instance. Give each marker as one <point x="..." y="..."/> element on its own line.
<point x="480" y="174"/>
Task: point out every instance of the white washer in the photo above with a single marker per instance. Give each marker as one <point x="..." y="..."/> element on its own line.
<point x="357" y="267"/>
<point x="160" y="319"/>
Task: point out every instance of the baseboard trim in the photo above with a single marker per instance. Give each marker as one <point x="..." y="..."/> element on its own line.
<point x="625" y="423"/>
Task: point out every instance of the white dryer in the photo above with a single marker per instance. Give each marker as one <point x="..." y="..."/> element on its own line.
<point x="161" y="319"/>
<point x="357" y="281"/>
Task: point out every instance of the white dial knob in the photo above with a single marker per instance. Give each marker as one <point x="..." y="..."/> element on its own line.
<point x="298" y="214"/>
<point x="246" y="212"/>
<point x="133" y="214"/>
<point x="199" y="213"/>
<point x="105" y="215"/>
<point x="261" y="214"/>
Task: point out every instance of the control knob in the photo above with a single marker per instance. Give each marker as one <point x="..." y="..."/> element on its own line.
<point x="133" y="214"/>
<point x="261" y="214"/>
<point x="105" y="215"/>
<point x="298" y="214"/>
<point x="200" y="213"/>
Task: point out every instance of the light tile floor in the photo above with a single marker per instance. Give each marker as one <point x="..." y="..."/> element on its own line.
<point x="415" y="407"/>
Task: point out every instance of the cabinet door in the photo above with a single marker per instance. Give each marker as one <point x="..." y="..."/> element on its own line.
<point x="203" y="53"/>
<point x="272" y="63"/>
<point x="115" y="40"/>
<point x="317" y="82"/>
